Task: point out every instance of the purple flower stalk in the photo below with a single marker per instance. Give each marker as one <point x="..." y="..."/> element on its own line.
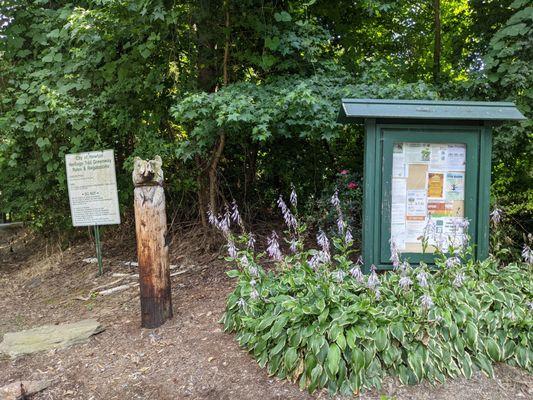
<point x="335" y="201"/>
<point x="251" y="242"/>
<point x="426" y="301"/>
<point x="287" y="215"/>
<point x="235" y="215"/>
<point x="422" y="278"/>
<point x="405" y="282"/>
<point x="253" y="270"/>
<point x="377" y="293"/>
<point x="348" y="238"/>
<point x="340" y="224"/>
<point x="273" y="249"/>
<point x="452" y="262"/>
<point x="254" y="295"/>
<point x="496" y="216"/>
<point x="356" y="273"/>
<point x="323" y="241"/>
<point x="373" y="279"/>
<point x="459" y="279"/>
<point x="232" y="250"/>
<point x="294" y="244"/>
<point x="395" y="255"/>
<point x="527" y="254"/>
<point x="293" y="198"/>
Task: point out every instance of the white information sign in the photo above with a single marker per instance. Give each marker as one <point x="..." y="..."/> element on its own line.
<point x="92" y="188"/>
<point x="428" y="183"/>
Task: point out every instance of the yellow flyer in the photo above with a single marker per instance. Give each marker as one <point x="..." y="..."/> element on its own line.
<point x="435" y="185"/>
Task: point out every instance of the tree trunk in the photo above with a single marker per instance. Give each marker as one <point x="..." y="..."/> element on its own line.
<point x="152" y="243"/>
<point x="437" y="48"/>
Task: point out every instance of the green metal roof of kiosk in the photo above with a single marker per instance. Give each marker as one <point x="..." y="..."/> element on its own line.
<point x="357" y="110"/>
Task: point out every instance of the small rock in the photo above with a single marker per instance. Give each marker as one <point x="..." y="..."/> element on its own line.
<point x="21" y="389"/>
<point x="48" y="337"/>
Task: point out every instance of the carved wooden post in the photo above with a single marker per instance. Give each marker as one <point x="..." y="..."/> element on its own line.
<point x="152" y="246"/>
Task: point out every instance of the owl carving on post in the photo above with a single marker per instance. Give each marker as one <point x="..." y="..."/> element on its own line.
<point x="152" y="246"/>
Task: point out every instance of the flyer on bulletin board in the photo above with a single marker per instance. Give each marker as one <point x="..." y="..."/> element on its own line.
<point x="428" y="183"/>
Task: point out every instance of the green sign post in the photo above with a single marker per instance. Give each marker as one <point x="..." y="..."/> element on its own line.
<point x="426" y="171"/>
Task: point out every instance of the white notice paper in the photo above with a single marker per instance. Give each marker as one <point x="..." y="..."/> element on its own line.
<point x="92" y="188"/>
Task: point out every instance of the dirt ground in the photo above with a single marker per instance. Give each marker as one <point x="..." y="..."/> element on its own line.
<point x="190" y="357"/>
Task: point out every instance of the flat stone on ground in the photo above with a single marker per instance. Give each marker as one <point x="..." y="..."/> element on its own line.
<point x="21" y="389"/>
<point x="49" y="337"/>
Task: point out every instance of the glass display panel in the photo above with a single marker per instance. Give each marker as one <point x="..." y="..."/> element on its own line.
<point x="428" y="192"/>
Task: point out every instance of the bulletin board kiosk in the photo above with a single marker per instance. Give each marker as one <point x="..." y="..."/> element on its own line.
<point x="427" y="163"/>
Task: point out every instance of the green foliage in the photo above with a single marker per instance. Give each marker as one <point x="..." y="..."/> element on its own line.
<point x="326" y="326"/>
<point x="76" y="78"/>
<point x="510" y="71"/>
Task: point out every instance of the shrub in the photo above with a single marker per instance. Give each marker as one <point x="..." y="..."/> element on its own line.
<point x="315" y="318"/>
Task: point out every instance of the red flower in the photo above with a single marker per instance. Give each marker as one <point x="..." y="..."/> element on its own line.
<point x="344" y="172"/>
<point x="352" y="185"/>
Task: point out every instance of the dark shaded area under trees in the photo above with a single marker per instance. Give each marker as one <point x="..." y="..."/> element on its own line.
<point x="240" y="98"/>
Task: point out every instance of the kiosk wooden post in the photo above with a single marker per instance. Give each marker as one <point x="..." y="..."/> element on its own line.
<point x="152" y="246"/>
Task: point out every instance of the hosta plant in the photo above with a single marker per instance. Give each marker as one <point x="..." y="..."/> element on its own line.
<point x="312" y="317"/>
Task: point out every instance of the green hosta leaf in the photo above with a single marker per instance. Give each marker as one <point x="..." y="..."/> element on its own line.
<point x="341" y="341"/>
<point x="279" y="346"/>
<point x="493" y="350"/>
<point x="316" y="373"/>
<point x="466" y="366"/>
<point x="484" y="364"/>
<point x="358" y="359"/>
<point x="522" y="356"/>
<point x="290" y="358"/>
<point x="333" y="359"/>
<point x="416" y="363"/>
<point x="266" y="322"/>
<point x="381" y="339"/>
<point x="233" y="273"/>
<point x="471" y="335"/>
<point x="397" y="331"/>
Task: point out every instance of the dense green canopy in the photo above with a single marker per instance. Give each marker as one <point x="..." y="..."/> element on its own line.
<point x="240" y="97"/>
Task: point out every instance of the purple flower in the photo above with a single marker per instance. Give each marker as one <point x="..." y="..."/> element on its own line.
<point x="527" y="254"/>
<point x="253" y="282"/>
<point x="348" y="238"/>
<point x="235" y="215"/>
<point x="335" y="202"/>
<point x="377" y="293"/>
<point x="323" y="241"/>
<point x="459" y="279"/>
<point x="251" y="242"/>
<point x="287" y="215"/>
<point x="426" y="301"/>
<point x="395" y="255"/>
<point x="294" y="244"/>
<point x="422" y="278"/>
<point x="212" y="218"/>
<point x="232" y="250"/>
<point x="253" y="270"/>
<point x="244" y="262"/>
<point x="340" y="224"/>
<point x="496" y="216"/>
<point x="356" y="273"/>
<point x="452" y="262"/>
<point x="273" y="249"/>
<point x="373" y="279"/>
<point x="405" y="282"/>
<point x="293" y="198"/>
<point x="241" y="303"/>
<point x="254" y="295"/>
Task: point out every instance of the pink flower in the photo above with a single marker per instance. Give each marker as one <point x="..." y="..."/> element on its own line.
<point x="344" y="172"/>
<point x="352" y="185"/>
